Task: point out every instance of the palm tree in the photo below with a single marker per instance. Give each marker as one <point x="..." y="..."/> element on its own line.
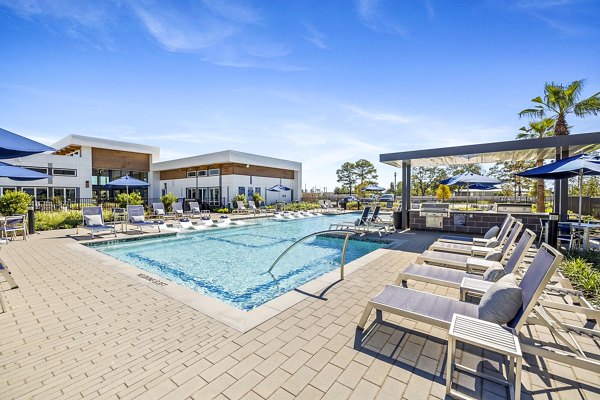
<point x="538" y="129"/>
<point x="560" y="100"/>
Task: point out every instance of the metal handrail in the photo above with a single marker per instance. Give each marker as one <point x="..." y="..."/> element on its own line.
<point x="346" y="232"/>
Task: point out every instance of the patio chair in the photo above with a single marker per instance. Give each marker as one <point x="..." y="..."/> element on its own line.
<point x="476" y="249"/>
<point x="452" y="277"/>
<point x="159" y="210"/>
<point x="569" y="236"/>
<point x="137" y="217"/>
<point x="178" y="209"/>
<point x="194" y="208"/>
<point x="439" y="310"/>
<point x="464" y="262"/>
<point x="252" y="207"/>
<point x="5" y="273"/>
<point x="14" y="224"/>
<point x="93" y="221"/>
<point x="241" y="208"/>
<point x="493" y="233"/>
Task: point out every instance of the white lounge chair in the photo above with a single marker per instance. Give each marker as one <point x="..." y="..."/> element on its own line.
<point x="159" y="210"/>
<point x="241" y="208"/>
<point x="93" y="221"/>
<point x="475" y="249"/>
<point x="178" y="210"/>
<point x="463" y="261"/>
<point x="137" y="218"/>
<point x="500" y="236"/>
<point x="451" y="277"/>
<point x="195" y="209"/>
<point x="361" y="224"/>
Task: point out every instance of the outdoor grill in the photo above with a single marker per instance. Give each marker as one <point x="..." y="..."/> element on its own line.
<point x="434" y="214"/>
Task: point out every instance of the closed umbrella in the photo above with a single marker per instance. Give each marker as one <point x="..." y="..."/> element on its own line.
<point x="126" y="182"/>
<point x="14" y="146"/>
<point x="470" y="179"/>
<point x="580" y="165"/>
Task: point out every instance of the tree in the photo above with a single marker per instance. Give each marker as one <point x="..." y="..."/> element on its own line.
<point x="365" y="171"/>
<point x="443" y="192"/>
<point x="346" y="175"/>
<point x="560" y="100"/>
<point x="538" y="129"/>
<point x="458" y="169"/>
<point x="505" y="171"/>
<point x="132" y="199"/>
<point x="425" y="179"/>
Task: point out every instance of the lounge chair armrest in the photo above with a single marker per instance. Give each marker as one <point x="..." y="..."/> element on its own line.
<point x="481" y="241"/>
<point x="479" y="265"/>
<point x="480" y="250"/>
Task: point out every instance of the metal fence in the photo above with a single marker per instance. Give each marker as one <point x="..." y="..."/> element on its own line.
<point x="107" y="204"/>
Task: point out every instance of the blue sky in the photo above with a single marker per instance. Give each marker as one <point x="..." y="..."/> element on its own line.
<point x="321" y="82"/>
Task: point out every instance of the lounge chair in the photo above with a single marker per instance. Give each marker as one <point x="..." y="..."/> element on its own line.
<point x="178" y="209"/>
<point x="194" y="208"/>
<point x="438" y="310"/>
<point x="375" y="220"/>
<point x="136" y="217"/>
<point x="501" y="234"/>
<point x="463" y="261"/>
<point x="473" y="249"/>
<point x="14" y="224"/>
<point x="159" y="210"/>
<point x="241" y="208"/>
<point x="361" y="224"/>
<point x="4" y="272"/>
<point x="252" y="207"/>
<point x="450" y="277"/>
<point x="93" y="221"/>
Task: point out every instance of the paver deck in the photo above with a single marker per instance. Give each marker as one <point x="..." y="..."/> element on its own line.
<point x="77" y="329"/>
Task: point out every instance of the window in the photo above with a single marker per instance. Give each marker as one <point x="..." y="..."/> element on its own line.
<point x="64" y="172"/>
<point x="70" y="193"/>
<point x="38" y="169"/>
<point x="242" y="190"/>
<point x="191" y="174"/>
<point x="257" y="190"/>
<point x="214" y="195"/>
<point x="213" y="172"/>
<point x="250" y="192"/>
<point x="203" y="173"/>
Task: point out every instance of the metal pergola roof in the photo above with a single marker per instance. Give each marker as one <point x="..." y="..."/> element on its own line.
<point x="512" y="150"/>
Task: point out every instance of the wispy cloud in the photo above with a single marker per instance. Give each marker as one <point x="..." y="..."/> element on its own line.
<point x="315" y="37"/>
<point x="557" y="14"/>
<point x="371" y="15"/>
<point x="429" y="8"/>
<point x="544" y="4"/>
<point x="378" y="116"/>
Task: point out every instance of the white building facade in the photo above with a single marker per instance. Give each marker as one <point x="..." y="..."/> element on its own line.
<point x="82" y="165"/>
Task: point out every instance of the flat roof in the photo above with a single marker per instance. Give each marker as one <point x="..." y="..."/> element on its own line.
<point x="512" y="150"/>
<point x="79" y="140"/>
<point x="227" y="156"/>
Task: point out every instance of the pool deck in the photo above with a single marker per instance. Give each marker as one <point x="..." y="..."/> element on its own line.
<point x="77" y="328"/>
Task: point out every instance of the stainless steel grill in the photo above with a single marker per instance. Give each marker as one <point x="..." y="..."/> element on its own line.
<point x="434" y="210"/>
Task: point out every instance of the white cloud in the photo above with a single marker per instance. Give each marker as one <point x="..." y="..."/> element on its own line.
<point x="373" y="17"/>
<point x="315" y="37"/>
<point x="378" y="116"/>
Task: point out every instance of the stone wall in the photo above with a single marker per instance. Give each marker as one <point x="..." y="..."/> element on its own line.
<point x="477" y="222"/>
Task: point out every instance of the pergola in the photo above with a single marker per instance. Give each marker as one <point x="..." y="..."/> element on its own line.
<point x="550" y="148"/>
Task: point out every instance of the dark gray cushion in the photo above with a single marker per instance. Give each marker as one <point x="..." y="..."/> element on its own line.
<point x="502" y="301"/>
<point x="493" y="243"/>
<point x="494" y="255"/>
<point x="492" y="233"/>
<point x="493" y="273"/>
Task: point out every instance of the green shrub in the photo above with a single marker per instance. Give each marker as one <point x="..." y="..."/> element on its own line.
<point x="168" y="200"/>
<point x="352" y="205"/>
<point x="223" y="210"/>
<point x="302" y="206"/>
<point x="48" y="220"/>
<point x="14" y="203"/>
<point x="582" y="267"/>
<point x="132" y="199"/>
<point x="257" y="198"/>
<point x="239" y="197"/>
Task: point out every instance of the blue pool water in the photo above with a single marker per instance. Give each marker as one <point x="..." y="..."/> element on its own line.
<point x="231" y="264"/>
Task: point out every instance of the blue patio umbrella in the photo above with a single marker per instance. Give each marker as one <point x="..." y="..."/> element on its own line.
<point x="375" y="188"/>
<point x="469" y="180"/>
<point x="14" y="146"/>
<point x="126" y="182"/>
<point x="279" y="188"/>
<point x="19" y="173"/>
<point x="580" y="165"/>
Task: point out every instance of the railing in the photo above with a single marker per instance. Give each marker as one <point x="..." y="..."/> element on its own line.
<point x="346" y="233"/>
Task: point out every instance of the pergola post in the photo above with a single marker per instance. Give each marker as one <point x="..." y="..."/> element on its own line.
<point x="564" y="191"/>
<point x="406" y="174"/>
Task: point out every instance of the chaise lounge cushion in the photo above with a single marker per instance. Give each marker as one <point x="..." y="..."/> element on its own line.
<point x="93" y="220"/>
<point x="137" y="218"/>
<point x="159" y="211"/>
<point x="494" y="255"/>
<point x="492" y="243"/>
<point x="502" y="301"/>
<point x="492" y="232"/>
<point x="493" y="273"/>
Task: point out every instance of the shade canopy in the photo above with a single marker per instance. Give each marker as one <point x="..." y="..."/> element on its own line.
<point x="375" y="188"/>
<point x="279" y="188"/>
<point x="125" y="182"/>
<point x="583" y="164"/>
<point x="14" y="146"/>
<point x="19" y="173"/>
<point x="481" y="186"/>
<point x="470" y="179"/>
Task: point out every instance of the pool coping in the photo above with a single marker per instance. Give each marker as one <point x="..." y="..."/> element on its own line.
<point x="231" y="316"/>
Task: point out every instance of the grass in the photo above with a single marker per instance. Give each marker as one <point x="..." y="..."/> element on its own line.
<point x="48" y="220"/>
<point x="582" y="267"/>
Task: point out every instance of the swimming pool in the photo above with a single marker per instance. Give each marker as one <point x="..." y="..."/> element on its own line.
<point x="231" y="264"/>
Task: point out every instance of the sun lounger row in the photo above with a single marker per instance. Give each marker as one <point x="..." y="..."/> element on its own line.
<point x="367" y="222"/>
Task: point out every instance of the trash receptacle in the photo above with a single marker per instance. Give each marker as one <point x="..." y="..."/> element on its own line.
<point x="552" y="230"/>
<point x="343" y="204"/>
<point x="31" y="220"/>
<point x="397" y="218"/>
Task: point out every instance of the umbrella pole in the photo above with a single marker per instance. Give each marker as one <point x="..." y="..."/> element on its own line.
<point x="580" y="192"/>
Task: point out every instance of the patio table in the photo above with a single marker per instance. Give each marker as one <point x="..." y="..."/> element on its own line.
<point x="586" y="227"/>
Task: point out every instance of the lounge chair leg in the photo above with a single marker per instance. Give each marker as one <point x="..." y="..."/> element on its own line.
<point x="379" y="316"/>
<point x="365" y="316"/>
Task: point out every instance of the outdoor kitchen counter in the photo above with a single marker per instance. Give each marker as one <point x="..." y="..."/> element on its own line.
<point x="476" y="222"/>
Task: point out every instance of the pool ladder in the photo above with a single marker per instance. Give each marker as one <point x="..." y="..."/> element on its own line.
<point x="347" y="233"/>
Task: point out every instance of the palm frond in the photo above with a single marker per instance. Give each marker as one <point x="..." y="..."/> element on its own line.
<point x="589" y="106"/>
<point x="537" y="112"/>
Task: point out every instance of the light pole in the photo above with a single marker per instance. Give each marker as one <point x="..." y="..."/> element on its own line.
<point x="395" y="186"/>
